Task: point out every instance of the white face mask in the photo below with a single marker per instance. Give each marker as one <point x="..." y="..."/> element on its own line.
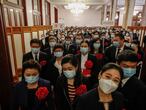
<point x="107" y="86"/>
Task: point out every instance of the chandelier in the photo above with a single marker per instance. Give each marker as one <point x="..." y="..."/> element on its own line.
<point x="76" y="7"/>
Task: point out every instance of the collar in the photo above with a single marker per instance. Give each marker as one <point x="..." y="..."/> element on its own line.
<point x="124" y="81"/>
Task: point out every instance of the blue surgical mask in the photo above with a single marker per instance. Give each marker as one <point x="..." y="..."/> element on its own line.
<point x="84" y="49"/>
<point x="78" y="41"/>
<point x="116" y="43"/>
<point x="128" y="72"/>
<point x="31" y="79"/>
<point x="52" y="44"/>
<point x="58" y="54"/>
<point x="68" y="42"/>
<point x="35" y="50"/>
<point x="96" y="45"/>
<point x="127" y="44"/>
<point x="69" y="74"/>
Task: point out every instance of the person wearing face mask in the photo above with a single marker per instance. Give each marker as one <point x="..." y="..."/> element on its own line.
<point x="67" y="44"/>
<point x="25" y="95"/>
<point x="52" y="40"/>
<point x="96" y="49"/>
<point x="67" y="84"/>
<point x="85" y="56"/>
<point x="54" y="67"/>
<point x="132" y="88"/>
<point x="37" y="55"/>
<point x="104" y="96"/>
<point x="75" y="47"/>
<point x="117" y="46"/>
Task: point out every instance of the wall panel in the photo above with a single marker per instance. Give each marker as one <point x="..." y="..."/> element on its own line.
<point x="11" y="54"/>
<point x="27" y="38"/>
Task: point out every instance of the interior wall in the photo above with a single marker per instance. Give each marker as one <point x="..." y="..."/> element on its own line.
<point x="29" y="12"/>
<point x="90" y="17"/>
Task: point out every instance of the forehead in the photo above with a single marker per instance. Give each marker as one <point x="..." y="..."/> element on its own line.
<point x="84" y="44"/>
<point x="112" y="72"/>
<point x="31" y="71"/>
<point x="35" y="44"/>
<point x="128" y="63"/>
<point x="67" y="65"/>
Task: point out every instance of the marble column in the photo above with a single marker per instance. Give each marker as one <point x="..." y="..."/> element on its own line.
<point x="113" y="10"/>
<point x="105" y="12"/>
<point x="144" y="15"/>
<point x="128" y="13"/>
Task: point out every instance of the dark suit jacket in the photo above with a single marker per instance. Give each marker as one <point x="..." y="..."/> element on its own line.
<point x="52" y="72"/>
<point x="43" y="57"/>
<point x="90" y="101"/>
<point x="110" y="53"/>
<point x="134" y="92"/>
<point x="61" y="92"/>
<point x="20" y="99"/>
<point x="74" y="49"/>
<point x="94" y="71"/>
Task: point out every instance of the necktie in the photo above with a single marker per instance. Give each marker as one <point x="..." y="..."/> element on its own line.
<point x="118" y="51"/>
<point x="36" y="57"/>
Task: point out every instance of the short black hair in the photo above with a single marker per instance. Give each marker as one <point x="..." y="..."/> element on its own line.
<point x="85" y="41"/>
<point x="31" y="64"/>
<point x="37" y="41"/>
<point x="112" y="66"/>
<point x="58" y="45"/>
<point x="120" y="35"/>
<point x="127" y="55"/>
<point x="70" y="58"/>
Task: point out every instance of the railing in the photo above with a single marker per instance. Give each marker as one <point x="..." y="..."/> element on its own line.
<point x="18" y="39"/>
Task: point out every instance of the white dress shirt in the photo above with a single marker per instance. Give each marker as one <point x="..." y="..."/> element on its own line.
<point x="84" y="58"/>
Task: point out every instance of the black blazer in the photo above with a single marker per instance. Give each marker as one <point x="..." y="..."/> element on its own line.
<point x="110" y="53"/>
<point x="90" y="101"/>
<point x="134" y="92"/>
<point x="94" y="71"/>
<point x="20" y="99"/>
<point x="52" y="72"/>
<point x="42" y="57"/>
<point x="61" y="92"/>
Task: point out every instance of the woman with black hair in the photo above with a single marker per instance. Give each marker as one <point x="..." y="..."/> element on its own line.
<point x="88" y="66"/>
<point x="105" y="96"/>
<point x="32" y="93"/>
<point x="96" y="50"/>
<point x="69" y="85"/>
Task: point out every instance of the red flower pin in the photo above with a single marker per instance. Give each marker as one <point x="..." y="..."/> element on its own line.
<point x="81" y="89"/>
<point x="86" y="72"/>
<point x="42" y="93"/>
<point x="99" y="56"/>
<point x="88" y="64"/>
<point x="139" y="56"/>
<point x="43" y="62"/>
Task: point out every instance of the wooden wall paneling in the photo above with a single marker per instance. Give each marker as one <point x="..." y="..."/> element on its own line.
<point x="41" y="12"/>
<point x="24" y="13"/>
<point x="27" y="38"/>
<point x="15" y="18"/>
<point x="18" y="51"/>
<point x="23" y="43"/>
<point x="6" y="16"/>
<point x="9" y="40"/>
<point x="5" y="67"/>
<point x="56" y="14"/>
<point x="9" y="17"/>
<point x="14" y="54"/>
<point x="12" y="17"/>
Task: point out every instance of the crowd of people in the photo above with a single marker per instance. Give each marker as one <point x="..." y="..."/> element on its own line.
<point x="82" y="68"/>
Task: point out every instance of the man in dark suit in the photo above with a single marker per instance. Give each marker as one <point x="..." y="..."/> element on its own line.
<point x="37" y="55"/>
<point x="75" y="47"/>
<point x="118" y="46"/>
<point x="133" y="89"/>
